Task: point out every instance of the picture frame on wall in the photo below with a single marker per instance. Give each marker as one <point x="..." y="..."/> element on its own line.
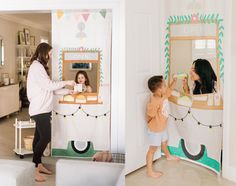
<point x="27" y="36"/>
<point x="32" y="40"/>
<point x="81" y="66"/>
<point x="21" y="38"/>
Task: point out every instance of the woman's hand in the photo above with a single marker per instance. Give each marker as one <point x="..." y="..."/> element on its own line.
<point x="72" y="92"/>
<point x="70" y="83"/>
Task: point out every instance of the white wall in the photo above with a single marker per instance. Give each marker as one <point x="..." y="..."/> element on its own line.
<point x="9" y="31"/>
<point x="142" y="61"/>
<point x="229" y="153"/>
<point x="232" y="134"/>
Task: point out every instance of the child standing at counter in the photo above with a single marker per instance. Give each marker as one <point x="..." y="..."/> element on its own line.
<point x="157" y="116"/>
<point x="40" y="94"/>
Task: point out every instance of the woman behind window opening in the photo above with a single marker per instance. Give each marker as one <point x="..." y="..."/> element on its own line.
<point x="203" y="76"/>
<point x="40" y="94"/>
<point x="81" y="77"/>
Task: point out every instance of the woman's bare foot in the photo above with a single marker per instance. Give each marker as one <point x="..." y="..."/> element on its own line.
<point x="43" y="169"/>
<point x="172" y="158"/>
<point x="38" y="176"/>
<point x="153" y="174"/>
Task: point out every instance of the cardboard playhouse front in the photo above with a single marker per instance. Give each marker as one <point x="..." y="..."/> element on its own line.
<point x="82" y="50"/>
<point x="193" y="50"/>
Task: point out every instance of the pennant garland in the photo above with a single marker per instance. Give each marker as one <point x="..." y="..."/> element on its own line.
<point x="103" y="13"/>
<point x="60" y="13"/>
<point x="85" y="16"/>
<point x="67" y="14"/>
<point x="78" y="15"/>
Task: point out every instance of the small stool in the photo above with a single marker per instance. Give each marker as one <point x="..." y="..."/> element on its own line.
<point x="16" y="173"/>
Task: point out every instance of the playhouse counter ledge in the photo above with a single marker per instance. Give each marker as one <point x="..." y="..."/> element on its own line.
<point x="85" y="98"/>
<point x="199" y="104"/>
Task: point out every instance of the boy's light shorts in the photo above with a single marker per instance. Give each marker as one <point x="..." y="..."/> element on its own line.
<point x="156" y="138"/>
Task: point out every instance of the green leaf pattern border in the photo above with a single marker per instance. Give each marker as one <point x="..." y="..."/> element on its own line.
<point x="60" y="66"/>
<point x="196" y="18"/>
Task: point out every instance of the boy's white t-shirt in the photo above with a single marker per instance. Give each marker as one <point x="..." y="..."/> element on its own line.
<point x="40" y="89"/>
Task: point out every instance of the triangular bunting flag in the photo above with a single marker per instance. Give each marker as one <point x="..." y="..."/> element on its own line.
<point x="67" y="14"/>
<point x="77" y="16"/>
<point x="85" y="16"/>
<point x="103" y="13"/>
<point x="60" y="13"/>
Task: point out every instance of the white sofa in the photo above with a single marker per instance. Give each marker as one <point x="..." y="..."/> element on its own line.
<point x="16" y="173"/>
<point x="89" y="173"/>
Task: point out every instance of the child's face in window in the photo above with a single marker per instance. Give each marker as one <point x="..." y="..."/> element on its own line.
<point x="81" y="79"/>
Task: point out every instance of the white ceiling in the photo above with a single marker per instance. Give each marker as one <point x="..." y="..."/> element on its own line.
<point x="38" y="20"/>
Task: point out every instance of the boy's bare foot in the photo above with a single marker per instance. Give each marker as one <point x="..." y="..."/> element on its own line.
<point x="44" y="170"/>
<point x="153" y="174"/>
<point x="39" y="177"/>
<point x="172" y="158"/>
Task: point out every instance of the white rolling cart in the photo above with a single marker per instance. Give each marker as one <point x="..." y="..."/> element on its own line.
<point x="19" y="125"/>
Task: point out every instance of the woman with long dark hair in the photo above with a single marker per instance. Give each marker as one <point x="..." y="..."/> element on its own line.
<point x="40" y="94"/>
<point x="203" y="76"/>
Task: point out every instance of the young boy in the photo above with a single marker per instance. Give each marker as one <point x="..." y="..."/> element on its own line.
<point x="157" y="116"/>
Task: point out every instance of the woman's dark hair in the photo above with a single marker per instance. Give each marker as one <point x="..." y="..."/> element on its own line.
<point x="207" y="76"/>
<point x="85" y="75"/>
<point x="41" y="55"/>
<point x="154" y="83"/>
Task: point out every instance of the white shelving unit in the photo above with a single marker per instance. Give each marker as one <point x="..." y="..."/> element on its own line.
<point x="24" y="54"/>
<point x="19" y="125"/>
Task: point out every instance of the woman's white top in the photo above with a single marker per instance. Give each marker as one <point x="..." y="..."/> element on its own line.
<point x="40" y="89"/>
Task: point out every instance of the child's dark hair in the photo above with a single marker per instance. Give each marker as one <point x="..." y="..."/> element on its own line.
<point x="85" y="75"/>
<point x="154" y="83"/>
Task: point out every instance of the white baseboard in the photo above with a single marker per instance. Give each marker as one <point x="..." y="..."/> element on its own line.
<point x="229" y="173"/>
